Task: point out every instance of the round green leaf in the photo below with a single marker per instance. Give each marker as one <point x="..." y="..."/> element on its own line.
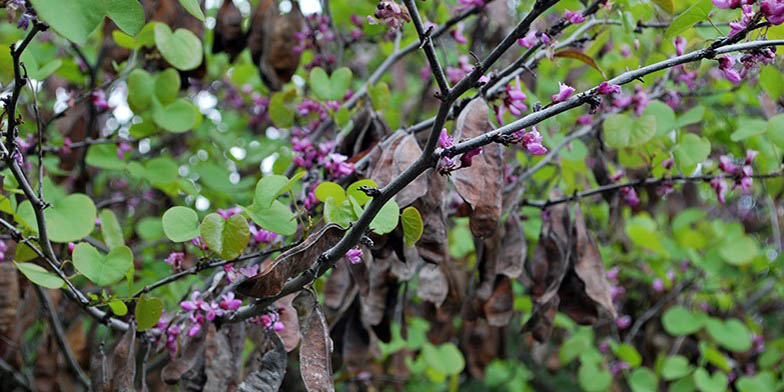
<point x="161" y="170"/>
<point x="691" y="150"/>
<point x="643" y="380"/>
<point x="102" y="269"/>
<point x="73" y="19"/>
<point x="679" y="321"/>
<point x="182" y="49"/>
<point x="128" y="15"/>
<point x="665" y="116"/>
<point x="386" y="219"/>
<point x="104" y="156"/>
<point x="739" y="251"/>
<point x="280" y="113"/>
<point x="412" y="225"/>
<point x="446" y="358"/>
<point x="110" y="227"/>
<point x="268" y="188"/>
<point x="180" y="224"/>
<point x="67" y="220"/>
<point x="278" y="218"/>
<point x="166" y="86"/>
<point x="181" y="116"/>
<point x="151" y="229"/>
<point x="731" y="334"/>
<point x="118" y="307"/>
<point x="193" y="8"/>
<point x="359" y="196"/>
<point x="676" y="367"/>
<point x="761" y="382"/>
<point x="226" y="237"/>
<point x="707" y="383"/>
<point x="623" y="130"/>
<point x="39" y="275"/>
<point x="147" y="312"/>
<point x="628" y="354"/>
<point x="592" y="378"/>
<point x="329" y="189"/>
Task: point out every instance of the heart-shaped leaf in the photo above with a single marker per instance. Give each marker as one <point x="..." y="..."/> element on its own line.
<point x="268" y="188"/>
<point x="707" y="383"/>
<point x="739" y="250"/>
<point x="592" y="378"/>
<point x="147" y="312"/>
<point x="328" y="189"/>
<point x="141" y="87"/>
<point x="102" y="269"/>
<point x="128" y="15"/>
<point x="446" y="358"/>
<point x="178" y="117"/>
<point x="623" y="130"/>
<point x="330" y="88"/>
<point x="278" y="218"/>
<point x="226" y="237"/>
<point x="679" y="321"/>
<point x="39" y="275"/>
<point x="676" y="367"/>
<point x="412" y="225"/>
<point x="361" y="197"/>
<point x="731" y="334"/>
<point x="193" y="8"/>
<point x="74" y="19"/>
<point x="180" y="224"/>
<point x="182" y="49"/>
<point x="643" y="380"/>
<point x="692" y="150"/>
<point x="761" y="382"/>
<point x="110" y="227"/>
<point x="386" y="219"/>
<point x="67" y="220"/>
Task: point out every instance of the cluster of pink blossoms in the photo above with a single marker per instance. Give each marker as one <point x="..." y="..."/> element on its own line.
<point x="354" y="255"/>
<point x="743" y="175"/>
<point x="200" y="310"/>
<point x="309" y="155"/>
<point x="449" y="164"/>
<point x="773" y="10"/>
<point x="390" y="13"/>
<point x="533" y="38"/>
<point x="455" y="74"/>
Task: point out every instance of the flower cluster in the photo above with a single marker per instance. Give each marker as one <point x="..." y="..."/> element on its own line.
<point x="533" y="38"/>
<point x="309" y="154"/>
<point x="455" y="74"/>
<point x="743" y="175"/>
<point x="531" y="141"/>
<point x="639" y="100"/>
<point x="354" y="255"/>
<point x="175" y="260"/>
<point x="247" y="272"/>
<point x="575" y="17"/>
<point x="564" y="91"/>
<point x="466" y="4"/>
<point x="390" y="13"/>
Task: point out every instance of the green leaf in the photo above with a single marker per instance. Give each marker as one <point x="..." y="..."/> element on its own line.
<point x="141" y="87"/>
<point x="181" y="116"/>
<point x="167" y="86"/>
<point x="102" y="269"/>
<point x="593" y="378"/>
<point x="118" y="307"/>
<point x="772" y="81"/>
<point x="698" y="12"/>
<point x="128" y="15"/>
<point x="180" y="224"/>
<point x="676" y="367"/>
<point x="761" y="382"/>
<point x="643" y="380"/>
<point x="691" y="150"/>
<point x="628" y="354"/>
<point x="182" y="49"/>
<point x="104" y="156"/>
<point x="679" y="321"/>
<point x="667" y="5"/>
<point x="226" y="237"/>
<point x="749" y="127"/>
<point x="776" y="130"/>
<point x="67" y="220"/>
<point x="623" y="130"/>
<point x="328" y="189"/>
<point x="380" y="96"/>
<point x="359" y="196"/>
<point x="151" y="229"/>
<point x="693" y="116"/>
<point x="341" y="213"/>
<point x="39" y="275"/>
<point x="124" y="40"/>
<point x="330" y="88"/>
<point x="707" y="383"/>
<point x="731" y="334"/>
<point x="446" y="358"/>
<point x="278" y="218"/>
<point x="147" y="312"/>
<point x="110" y="227"/>
<point x="74" y="19"/>
<point x="280" y="113"/>
<point x="268" y="188"/>
<point x="193" y="8"/>
<point x="412" y="225"/>
<point x="386" y="219"/>
<point x="739" y="250"/>
<point x="665" y="117"/>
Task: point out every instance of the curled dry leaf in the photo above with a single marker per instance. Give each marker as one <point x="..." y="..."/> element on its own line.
<point x="398" y="152"/>
<point x="291" y="263"/>
<point x="271" y="41"/>
<point x="288" y="316"/>
<point x="498" y="308"/>
<point x="373" y="303"/>
<point x="514" y="249"/>
<point x="9" y="295"/>
<point x="270" y="368"/>
<point x="221" y="351"/>
<point x="481" y="343"/>
<point x="432" y="245"/>
<point x="98" y="371"/>
<point x="190" y="354"/>
<point x="228" y="34"/>
<point x="355" y="343"/>
<point x="315" y="353"/>
<point x="433" y="285"/>
<point x="481" y="185"/>
<point x="338" y="285"/>
<point x="122" y="365"/>
<point x="588" y="265"/>
<point x="368" y="130"/>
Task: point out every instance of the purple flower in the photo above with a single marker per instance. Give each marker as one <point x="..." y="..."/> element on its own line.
<point x="175" y="260"/>
<point x="727" y="3"/>
<point x="391" y="14"/>
<point x="658" y="285"/>
<point x="720" y="186"/>
<point x="665" y="188"/>
<point x="229" y="302"/>
<point x="262" y="236"/>
<point x="532" y="141"/>
<point x="616" y="292"/>
<point x="98" y="98"/>
<point x="123" y="148"/>
<point x="354" y="255"/>
<point x="607" y="88"/>
<point x="745" y="179"/>
<point x="564" y="92"/>
<point x="750" y="155"/>
<point x="529" y="41"/>
<point x="211" y="309"/>
<point x="196" y="326"/>
<point x="623" y="322"/>
<point x="773" y="11"/>
<point x="726" y="64"/>
<point x="575" y="17"/>
<point x="629" y="196"/>
<point x="199" y="243"/>
<point x="337" y="165"/>
<point x="471" y="3"/>
<point x="228" y="213"/>
<point x="467" y="158"/>
<point x="250" y="271"/>
<point x="446" y="164"/>
<point x="515" y="98"/>
<point x="231" y="273"/>
<point x="193" y="304"/>
<point x="444" y="140"/>
<point x="457" y="34"/>
<point x="585" y="119"/>
<point x="680" y="45"/>
<point x="726" y="165"/>
<point x="24" y="21"/>
<point x="640" y="100"/>
<point x="612" y="273"/>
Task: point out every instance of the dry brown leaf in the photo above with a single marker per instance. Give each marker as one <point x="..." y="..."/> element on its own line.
<point x="271" y="40"/>
<point x="398" y="152"/>
<point x="369" y="129"/>
<point x="291" y="263"/>
<point x="481" y="344"/>
<point x="228" y="34"/>
<point x="498" y="308"/>
<point x="589" y="266"/>
<point x="433" y="285"/>
<point x="315" y="353"/>
<point x="514" y="249"/>
<point x="122" y="363"/>
<point x="432" y="244"/>
<point x="338" y="285"/>
<point x="482" y="184"/>
<point x="355" y="342"/>
<point x="271" y="369"/>
<point x="288" y="316"/>
<point x="189" y="355"/>
<point x="9" y="295"/>
<point x="373" y="304"/>
<point x="98" y="370"/>
<point x="221" y="351"/>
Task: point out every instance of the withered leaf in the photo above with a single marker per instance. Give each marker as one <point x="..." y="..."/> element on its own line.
<point x="373" y="303"/>
<point x="291" y="263"/>
<point x="315" y="353"/>
<point x="123" y="362"/>
<point x="398" y="152"/>
<point x="188" y="356"/>
<point x="271" y="369"/>
<point x="221" y="351"/>
<point x="498" y="308"/>
<point x="288" y="316"/>
<point x="482" y="184"/>
<point x="98" y="371"/>
<point x="355" y="343"/>
<point x="433" y="285"/>
<point x="271" y="41"/>
<point x="369" y="129"/>
<point x="481" y="343"/>
<point x="431" y="245"/>
<point x="338" y="285"/>
<point x="588" y="265"/>
<point x="514" y="249"/>
<point x="9" y="295"/>
<point x="228" y="34"/>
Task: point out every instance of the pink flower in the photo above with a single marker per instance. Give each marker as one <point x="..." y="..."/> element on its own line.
<point x="575" y="17"/>
<point x="720" y="186"/>
<point x="98" y="98"/>
<point x="607" y="88"/>
<point x="471" y="3"/>
<point x="231" y="273"/>
<point x="532" y="141"/>
<point x="354" y="255"/>
<point x="750" y="155"/>
<point x="668" y="163"/>
<point x="175" y="260"/>
<point x="658" y="285"/>
<point x="727" y="3"/>
<point x="466" y="158"/>
<point x="515" y="98"/>
<point x="745" y="179"/>
<point x="623" y="322"/>
<point x="199" y="243"/>
<point x="122" y="148"/>
<point x="726" y="165"/>
<point x="680" y="45"/>
<point x="773" y="11"/>
<point x="612" y="273"/>
<point x="229" y="302"/>
<point x="564" y="92"/>
<point x="585" y="119"/>
<point x="250" y="271"/>
<point x="391" y="14"/>
<point x="630" y="196"/>
<point x="457" y="34"/>
<point x="71" y="247"/>
<point x="444" y="140"/>
<point x="337" y="165"/>
<point x="262" y="236"/>
<point x="228" y="213"/>
<point x="529" y="41"/>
